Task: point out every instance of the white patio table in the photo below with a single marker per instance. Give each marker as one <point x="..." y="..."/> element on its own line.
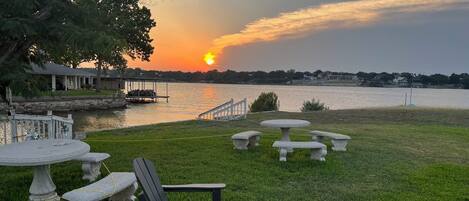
<point x="40" y="154"/>
<point x="285" y="125"/>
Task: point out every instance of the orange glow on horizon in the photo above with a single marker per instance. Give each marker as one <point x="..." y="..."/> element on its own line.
<point x="209" y="58"/>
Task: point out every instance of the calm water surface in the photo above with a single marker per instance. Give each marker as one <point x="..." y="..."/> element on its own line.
<point x="189" y="99"/>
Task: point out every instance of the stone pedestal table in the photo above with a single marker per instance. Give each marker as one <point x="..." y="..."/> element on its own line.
<point x="40" y="154"/>
<point x="285" y="125"/>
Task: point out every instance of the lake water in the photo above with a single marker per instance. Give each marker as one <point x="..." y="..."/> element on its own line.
<point x="189" y="99"/>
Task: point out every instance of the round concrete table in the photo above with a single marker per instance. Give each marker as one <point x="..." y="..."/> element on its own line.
<point x="285" y="125"/>
<point x="39" y="154"/>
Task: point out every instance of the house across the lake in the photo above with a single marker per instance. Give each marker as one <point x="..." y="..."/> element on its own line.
<point x="60" y="77"/>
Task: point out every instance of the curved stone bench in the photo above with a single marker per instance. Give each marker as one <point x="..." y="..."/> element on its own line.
<point x="243" y="140"/>
<point x="339" y="141"/>
<point x="318" y="150"/>
<point x="92" y="165"/>
<point x="118" y="186"/>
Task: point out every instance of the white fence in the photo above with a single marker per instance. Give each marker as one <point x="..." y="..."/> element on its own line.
<point x="227" y="111"/>
<point x="4" y="130"/>
<point x="21" y="127"/>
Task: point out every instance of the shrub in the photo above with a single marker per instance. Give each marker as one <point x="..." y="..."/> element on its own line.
<point x="313" y="105"/>
<point x="265" y="102"/>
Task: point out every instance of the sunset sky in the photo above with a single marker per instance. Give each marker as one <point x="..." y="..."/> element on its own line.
<point x="424" y="36"/>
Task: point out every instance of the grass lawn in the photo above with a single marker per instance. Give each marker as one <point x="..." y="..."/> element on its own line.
<point x="80" y="92"/>
<point x="395" y="154"/>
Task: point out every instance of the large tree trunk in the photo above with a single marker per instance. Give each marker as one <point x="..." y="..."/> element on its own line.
<point x="99" y="66"/>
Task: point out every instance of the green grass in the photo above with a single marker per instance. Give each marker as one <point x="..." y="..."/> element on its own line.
<point x="395" y="154"/>
<point x="80" y="92"/>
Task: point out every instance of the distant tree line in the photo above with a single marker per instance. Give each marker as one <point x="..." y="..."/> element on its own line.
<point x="371" y="79"/>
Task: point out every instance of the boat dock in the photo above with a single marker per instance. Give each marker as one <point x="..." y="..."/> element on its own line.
<point x="140" y="90"/>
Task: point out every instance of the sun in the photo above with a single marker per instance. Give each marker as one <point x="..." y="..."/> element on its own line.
<point x="209" y="58"/>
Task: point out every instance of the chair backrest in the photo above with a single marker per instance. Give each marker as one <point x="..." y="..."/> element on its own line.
<point x="149" y="180"/>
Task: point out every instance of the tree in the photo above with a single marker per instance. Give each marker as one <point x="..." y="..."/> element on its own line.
<point x="439" y="79"/>
<point x="454" y="79"/>
<point x="465" y="82"/>
<point x="124" y="27"/>
<point x="34" y="32"/>
<point x="386" y="77"/>
<point x="317" y="73"/>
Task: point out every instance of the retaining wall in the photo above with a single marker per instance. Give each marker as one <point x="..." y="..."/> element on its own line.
<point x="65" y="103"/>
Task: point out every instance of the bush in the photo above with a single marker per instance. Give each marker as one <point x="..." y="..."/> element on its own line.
<point x="86" y="86"/>
<point x="265" y="102"/>
<point x="313" y="105"/>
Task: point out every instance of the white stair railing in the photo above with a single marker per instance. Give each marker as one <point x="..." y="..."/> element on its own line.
<point x="209" y="115"/>
<point x="24" y="127"/>
<point x="227" y="111"/>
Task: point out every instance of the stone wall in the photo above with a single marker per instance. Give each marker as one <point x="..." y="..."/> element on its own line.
<point x="43" y="104"/>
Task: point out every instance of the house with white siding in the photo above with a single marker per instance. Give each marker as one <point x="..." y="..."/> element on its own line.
<point x="63" y="77"/>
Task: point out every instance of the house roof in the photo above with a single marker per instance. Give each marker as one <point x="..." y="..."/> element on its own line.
<point x="57" y="69"/>
<point x="104" y="73"/>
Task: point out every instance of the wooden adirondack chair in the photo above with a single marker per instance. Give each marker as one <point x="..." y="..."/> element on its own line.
<point x="154" y="191"/>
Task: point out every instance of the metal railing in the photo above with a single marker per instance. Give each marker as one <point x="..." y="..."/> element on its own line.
<point x="227" y="111"/>
<point x="22" y="127"/>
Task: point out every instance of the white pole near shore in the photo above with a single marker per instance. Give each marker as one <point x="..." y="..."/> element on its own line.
<point x="167" y="97"/>
<point x="410" y="99"/>
<point x="405" y="100"/>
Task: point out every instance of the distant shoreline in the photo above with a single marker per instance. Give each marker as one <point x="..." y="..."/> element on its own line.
<point x="280" y="84"/>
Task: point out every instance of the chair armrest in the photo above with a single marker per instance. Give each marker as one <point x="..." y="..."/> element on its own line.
<point x="193" y="187"/>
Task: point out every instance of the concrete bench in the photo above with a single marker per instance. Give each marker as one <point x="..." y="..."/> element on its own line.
<point x="91" y="165"/>
<point x="318" y="150"/>
<point x="246" y="139"/>
<point x="339" y="141"/>
<point x="118" y="186"/>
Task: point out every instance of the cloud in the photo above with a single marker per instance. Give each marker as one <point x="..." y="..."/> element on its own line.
<point x="328" y="16"/>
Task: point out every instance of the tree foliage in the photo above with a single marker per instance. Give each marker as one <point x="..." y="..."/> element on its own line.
<point x="29" y="31"/>
<point x="69" y="32"/>
<point x="265" y="102"/>
<point x="465" y="82"/>
<point x="128" y="24"/>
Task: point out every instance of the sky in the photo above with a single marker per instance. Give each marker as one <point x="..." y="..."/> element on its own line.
<point x="422" y="36"/>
